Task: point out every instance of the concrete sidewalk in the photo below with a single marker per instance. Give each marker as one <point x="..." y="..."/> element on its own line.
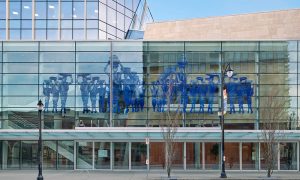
<point x="139" y="175"/>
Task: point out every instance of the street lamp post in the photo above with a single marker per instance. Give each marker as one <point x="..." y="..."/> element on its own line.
<point x="229" y="73"/>
<point x="40" y="107"/>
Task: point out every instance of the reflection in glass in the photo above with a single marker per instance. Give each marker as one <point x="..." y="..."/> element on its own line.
<point x="29" y="154"/>
<point x="212" y="158"/>
<point x="193" y="155"/>
<point x="288" y="156"/>
<point x="65" y="155"/>
<point x="138" y="155"/>
<point x="84" y="155"/>
<point x="121" y="155"/>
<point x="250" y="156"/>
<point x="102" y="155"/>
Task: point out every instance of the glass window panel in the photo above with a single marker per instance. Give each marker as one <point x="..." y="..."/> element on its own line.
<point x="120" y="21"/>
<point x="29" y="154"/>
<point x="250" y="156"/>
<point x="78" y="10"/>
<point x="92" y="46"/>
<point x="102" y="26"/>
<point x="84" y="159"/>
<point x="274" y="67"/>
<point x="127" y="46"/>
<point x="193" y="155"/>
<point x="202" y="46"/>
<point x="66" y="34"/>
<point x="57" y="46"/>
<point x="102" y="12"/>
<point x="26" y="10"/>
<point x="112" y="31"/>
<point x="92" y="24"/>
<point x="20" y="79"/>
<point x="112" y="4"/>
<point x="92" y="34"/>
<point x="2" y="34"/>
<point x="40" y="10"/>
<point x="2" y="10"/>
<point x="66" y="10"/>
<point x="120" y="34"/>
<point x="240" y="46"/>
<point x="2" y="24"/>
<point x="57" y="57"/>
<point x="93" y="57"/>
<point x="138" y="155"/>
<point x="22" y="103"/>
<point x="49" y="155"/>
<point x="53" y="10"/>
<point x="157" y="155"/>
<point x="120" y="6"/>
<point x="121" y="158"/>
<point x="78" y="24"/>
<point x="20" y="57"/>
<point x="14" y="90"/>
<point x="78" y="34"/>
<point x="20" y="46"/>
<point x="232" y="156"/>
<point x="13" y="154"/>
<point x="52" y="34"/>
<point x="26" y="34"/>
<point x="40" y="34"/>
<point x="57" y="68"/>
<point x="52" y="24"/>
<point x="27" y="24"/>
<point x="102" y="35"/>
<point x="128" y="4"/>
<point x="40" y="24"/>
<point x="65" y="155"/>
<point x="90" y="67"/>
<point x="278" y="46"/>
<point x="14" y="24"/>
<point x="102" y="155"/>
<point x="129" y="13"/>
<point x="20" y="68"/>
<point x="92" y="10"/>
<point x="278" y="79"/>
<point x="111" y="17"/>
<point x="165" y="46"/>
<point x="283" y="90"/>
<point x="15" y="10"/>
<point x="271" y="57"/>
<point x="66" y="24"/>
<point x="212" y="158"/>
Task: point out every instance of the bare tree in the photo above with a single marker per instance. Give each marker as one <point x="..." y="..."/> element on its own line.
<point x="272" y="123"/>
<point x="169" y="123"/>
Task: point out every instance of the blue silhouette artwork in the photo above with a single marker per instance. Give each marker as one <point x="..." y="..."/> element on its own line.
<point x="55" y="92"/>
<point x="102" y="92"/>
<point x="84" y="89"/>
<point x="202" y="88"/>
<point x="47" y="93"/>
<point x="93" y="88"/>
<point x="193" y="94"/>
<point x="63" y="89"/>
<point x="154" y="93"/>
<point x="240" y="94"/>
<point x="142" y="91"/>
<point x="249" y="93"/>
<point x="211" y="89"/>
<point x="181" y="80"/>
<point x="126" y="89"/>
<point x="231" y="90"/>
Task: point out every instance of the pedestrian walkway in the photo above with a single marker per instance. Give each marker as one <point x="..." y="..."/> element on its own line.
<point x="139" y="175"/>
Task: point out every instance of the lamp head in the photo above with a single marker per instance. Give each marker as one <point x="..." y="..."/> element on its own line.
<point x="40" y="105"/>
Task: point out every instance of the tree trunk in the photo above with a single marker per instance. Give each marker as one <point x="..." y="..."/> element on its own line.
<point x="169" y="171"/>
<point x="269" y="173"/>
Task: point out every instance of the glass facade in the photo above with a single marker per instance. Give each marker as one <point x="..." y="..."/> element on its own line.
<point x="66" y="19"/>
<point x="94" y="84"/>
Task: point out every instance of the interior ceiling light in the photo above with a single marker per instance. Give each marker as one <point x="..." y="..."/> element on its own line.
<point x="15" y="13"/>
<point x="36" y="15"/>
<point x="51" y="7"/>
<point x="26" y="7"/>
<point x="96" y="11"/>
<point x="74" y="16"/>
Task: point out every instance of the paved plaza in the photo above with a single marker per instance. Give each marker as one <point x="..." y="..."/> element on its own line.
<point x="139" y="175"/>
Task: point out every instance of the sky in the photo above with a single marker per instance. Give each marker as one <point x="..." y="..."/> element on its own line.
<point x="166" y="10"/>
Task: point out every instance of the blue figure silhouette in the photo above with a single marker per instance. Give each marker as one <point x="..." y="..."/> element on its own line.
<point x="202" y="94"/>
<point x="181" y="80"/>
<point x="102" y="92"/>
<point x="84" y="88"/>
<point x="154" y="93"/>
<point x="249" y="91"/>
<point x="231" y="90"/>
<point x="211" y="89"/>
<point x="193" y="94"/>
<point x="55" y="92"/>
<point x="46" y="92"/>
<point x="93" y="89"/>
<point x="126" y="89"/>
<point x="240" y="94"/>
<point x="63" y="90"/>
<point x="142" y="91"/>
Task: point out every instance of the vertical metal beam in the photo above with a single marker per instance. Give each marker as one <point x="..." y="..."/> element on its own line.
<point x="33" y="20"/>
<point x="203" y="155"/>
<point x="259" y="164"/>
<point x="129" y="156"/>
<point x="184" y="155"/>
<point x="256" y="64"/>
<point x="75" y="155"/>
<point x="241" y="155"/>
<point x="93" y="155"/>
<point x="111" y="155"/>
<point x="85" y="21"/>
<point x="148" y="155"/>
<point x="278" y="156"/>
<point x="59" y="21"/>
<point x="298" y="156"/>
<point x="111" y="87"/>
<point x="7" y="22"/>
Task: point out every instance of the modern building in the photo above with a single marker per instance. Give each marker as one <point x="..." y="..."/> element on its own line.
<point x="104" y="101"/>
